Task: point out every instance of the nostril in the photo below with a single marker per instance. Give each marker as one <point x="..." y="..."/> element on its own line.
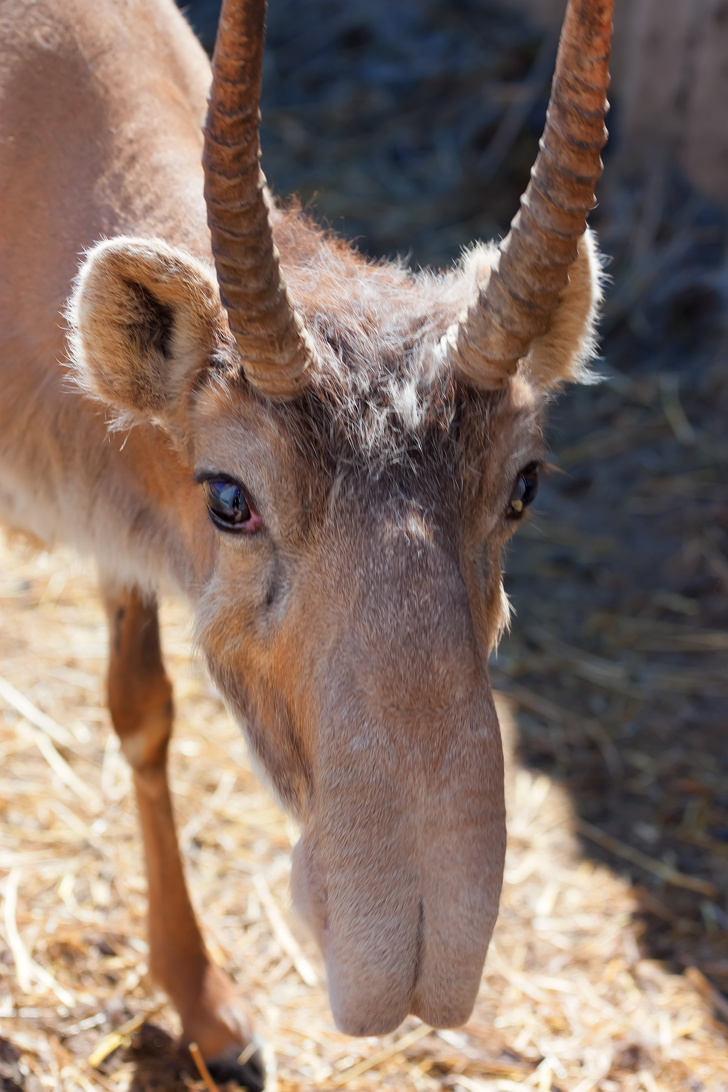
<point x="418" y="945"/>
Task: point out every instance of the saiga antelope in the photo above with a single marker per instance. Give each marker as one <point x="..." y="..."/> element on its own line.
<point x="325" y="456"/>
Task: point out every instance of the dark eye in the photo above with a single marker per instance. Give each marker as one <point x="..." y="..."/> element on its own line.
<point x="228" y="506"/>
<point x="524" y="491"/>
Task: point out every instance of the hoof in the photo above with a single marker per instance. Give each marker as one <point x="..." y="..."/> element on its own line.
<point x="250" y="1074"/>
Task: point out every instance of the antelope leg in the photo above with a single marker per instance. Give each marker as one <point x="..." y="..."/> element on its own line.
<point x="140" y="701"/>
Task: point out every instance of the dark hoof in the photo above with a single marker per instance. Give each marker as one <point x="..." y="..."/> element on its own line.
<point x="226" y="1067"/>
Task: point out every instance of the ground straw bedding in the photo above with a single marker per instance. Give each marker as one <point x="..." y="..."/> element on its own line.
<point x="567" y="1001"/>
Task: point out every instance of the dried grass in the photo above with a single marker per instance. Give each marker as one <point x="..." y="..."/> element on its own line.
<point x="567" y="1000"/>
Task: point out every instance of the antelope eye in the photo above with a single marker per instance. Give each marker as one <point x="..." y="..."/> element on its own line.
<point x="524" y="491"/>
<point x="229" y="507"/>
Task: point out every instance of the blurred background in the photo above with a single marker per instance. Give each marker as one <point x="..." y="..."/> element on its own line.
<point x="410" y="126"/>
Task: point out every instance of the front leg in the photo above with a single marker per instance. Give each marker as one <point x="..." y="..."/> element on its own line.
<point x="140" y="701"/>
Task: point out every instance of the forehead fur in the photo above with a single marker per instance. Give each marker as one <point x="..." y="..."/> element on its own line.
<point x="382" y="395"/>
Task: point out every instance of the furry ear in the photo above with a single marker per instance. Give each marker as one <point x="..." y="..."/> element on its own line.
<point x="563" y="354"/>
<point x="144" y="319"/>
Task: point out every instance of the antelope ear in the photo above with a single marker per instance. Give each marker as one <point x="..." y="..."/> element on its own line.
<point x="145" y="319"/>
<point x="563" y="354"/>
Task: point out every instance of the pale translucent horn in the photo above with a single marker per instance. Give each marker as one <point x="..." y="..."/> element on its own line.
<point x="518" y="302"/>
<point x="274" y="347"/>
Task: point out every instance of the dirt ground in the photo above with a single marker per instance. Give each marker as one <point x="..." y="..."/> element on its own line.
<point x="412" y="126"/>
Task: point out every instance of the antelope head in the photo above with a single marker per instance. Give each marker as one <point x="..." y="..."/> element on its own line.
<point x="365" y="441"/>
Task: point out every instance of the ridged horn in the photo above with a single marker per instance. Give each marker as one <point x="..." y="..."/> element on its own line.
<point x="532" y="270"/>
<point x="274" y="347"/>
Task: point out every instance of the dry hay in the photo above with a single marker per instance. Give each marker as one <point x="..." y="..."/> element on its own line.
<point x="567" y="1001"/>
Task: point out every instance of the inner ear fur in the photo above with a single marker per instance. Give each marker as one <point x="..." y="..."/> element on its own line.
<point x="563" y="354"/>
<point x="144" y="320"/>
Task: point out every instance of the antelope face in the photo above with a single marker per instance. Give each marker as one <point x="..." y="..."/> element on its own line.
<point x="351" y="596"/>
<point x="363" y="456"/>
<point x="348" y="621"/>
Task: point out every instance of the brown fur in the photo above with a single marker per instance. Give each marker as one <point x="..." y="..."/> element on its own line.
<point x="351" y="634"/>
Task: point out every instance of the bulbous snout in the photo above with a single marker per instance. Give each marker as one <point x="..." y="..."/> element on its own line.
<point x="399" y="869"/>
<point x="400" y="865"/>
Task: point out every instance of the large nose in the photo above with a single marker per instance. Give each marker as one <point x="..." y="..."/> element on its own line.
<point x="408" y="835"/>
<point x="410" y="841"/>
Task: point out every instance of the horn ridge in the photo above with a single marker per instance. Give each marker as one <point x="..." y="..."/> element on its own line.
<point x="274" y="347"/>
<point x="518" y="302"/>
